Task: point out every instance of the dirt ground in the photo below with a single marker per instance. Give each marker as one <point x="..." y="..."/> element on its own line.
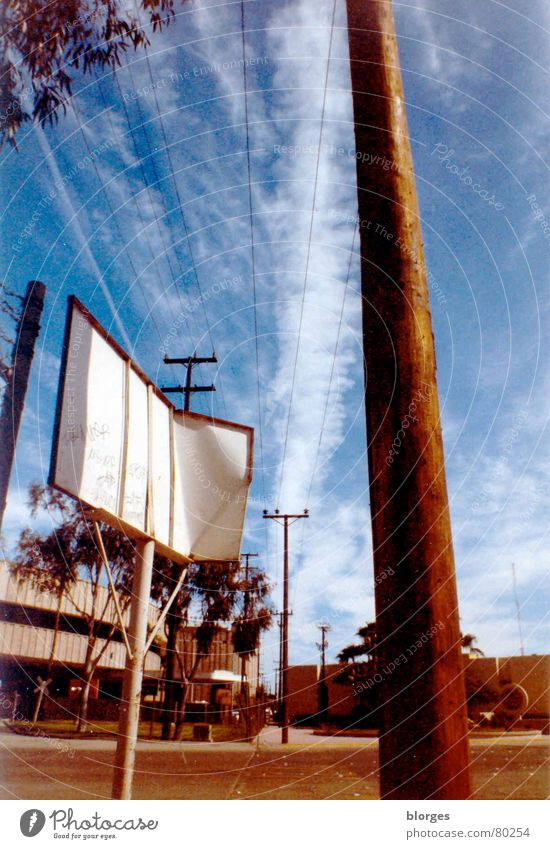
<point x="505" y="767"/>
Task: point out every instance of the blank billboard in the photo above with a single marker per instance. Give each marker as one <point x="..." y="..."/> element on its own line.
<point x="122" y="449"/>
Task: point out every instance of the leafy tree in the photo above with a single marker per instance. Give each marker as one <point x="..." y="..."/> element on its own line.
<point x="360" y="673"/>
<point x="214" y="585"/>
<point x="57" y="560"/>
<point x="209" y="592"/>
<point x="213" y="592"/>
<point x="367" y="646"/>
<point x="255" y="615"/>
<point x="467" y="642"/>
<point x="165" y="579"/>
<point x="10" y="309"/>
<point x="45" y="42"/>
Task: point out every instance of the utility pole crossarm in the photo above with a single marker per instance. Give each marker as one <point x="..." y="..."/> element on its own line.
<point x="276" y="515"/>
<point x="186" y="361"/>
<point x="188" y="389"/>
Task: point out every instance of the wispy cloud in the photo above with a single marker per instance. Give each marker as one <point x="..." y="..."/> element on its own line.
<point x="491" y="354"/>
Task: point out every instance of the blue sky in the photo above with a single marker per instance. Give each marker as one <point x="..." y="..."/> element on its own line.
<point x="477" y="90"/>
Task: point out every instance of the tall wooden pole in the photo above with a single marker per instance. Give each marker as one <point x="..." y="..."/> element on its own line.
<point x="173" y="620"/>
<point x="17" y="382"/>
<point x="423" y="741"/>
<point x="277" y="516"/>
<point x="245" y="683"/>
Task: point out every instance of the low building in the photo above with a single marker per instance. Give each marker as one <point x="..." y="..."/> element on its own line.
<point x="47" y="636"/>
<point x="44" y="636"/>
<point x="517" y="685"/>
<point x="218" y="677"/>
<point x="304" y="693"/>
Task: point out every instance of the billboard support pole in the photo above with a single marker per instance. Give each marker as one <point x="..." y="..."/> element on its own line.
<point x="133" y="674"/>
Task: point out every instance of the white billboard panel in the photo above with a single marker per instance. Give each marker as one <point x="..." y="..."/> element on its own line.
<point x="208" y="462"/>
<point x="134" y="501"/>
<point x="122" y="449"/>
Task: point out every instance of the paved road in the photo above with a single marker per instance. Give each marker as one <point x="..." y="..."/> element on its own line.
<point x="310" y="767"/>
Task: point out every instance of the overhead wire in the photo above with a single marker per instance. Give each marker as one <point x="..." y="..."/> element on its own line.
<point x="183" y="272"/>
<point x="112" y="211"/>
<point x="196" y="335"/>
<point x="308" y="254"/>
<point x="158" y="181"/>
<point x="332" y="370"/>
<point x="333" y="365"/>
<point x="253" y="263"/>
<point x="145" y="227"/>
<point x="146" y="183"/>
<point x="180" y="204"/>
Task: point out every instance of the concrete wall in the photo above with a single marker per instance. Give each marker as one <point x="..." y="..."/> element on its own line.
<point x="303" y="690"/>
<point x="303" y="687"/>
<point x="531" y="671"/>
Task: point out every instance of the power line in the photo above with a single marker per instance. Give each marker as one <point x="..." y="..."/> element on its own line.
<point x="158" y="181"/>
<point x="333" y="366"/>
<point x="196" y="335"/>
<point x="144" y="225"/>
<point x="325" y="410"/>
<point x="308" y="250"/>
<point x="128" y="66"/>
<point x="253" y="262"/>
<point x="252" y="249"/>
<point x="148" y="190"/>
<point x="113" y="214"/>
<point x="182" y="215"/>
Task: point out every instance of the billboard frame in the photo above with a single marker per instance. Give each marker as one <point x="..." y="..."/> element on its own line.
<point x="100" y="513"/>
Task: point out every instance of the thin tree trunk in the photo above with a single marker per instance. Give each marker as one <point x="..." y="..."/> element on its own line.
<point x="168" y="709"/>
<point x="89" y="670"/>
<point x="55" y="634"/>
<point x="182" y="702"/>
<point x="179" y="710"/>
<point x="245" y="701"/>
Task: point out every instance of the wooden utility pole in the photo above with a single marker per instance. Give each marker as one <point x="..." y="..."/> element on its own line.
<point x="245" y="684"/>
<point x="280" y="667"/>
<point x="323" y="704"/>
<point x="518" y="610"/>
<point x="17" y="379"/>
<point x="173" y="622"/>
<point x="285" y="517"/>
<point x="423" y="739"/>
<point x="188" y="389"/>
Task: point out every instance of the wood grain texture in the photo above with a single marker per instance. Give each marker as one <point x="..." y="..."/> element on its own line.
<point x="423" y="747"/>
